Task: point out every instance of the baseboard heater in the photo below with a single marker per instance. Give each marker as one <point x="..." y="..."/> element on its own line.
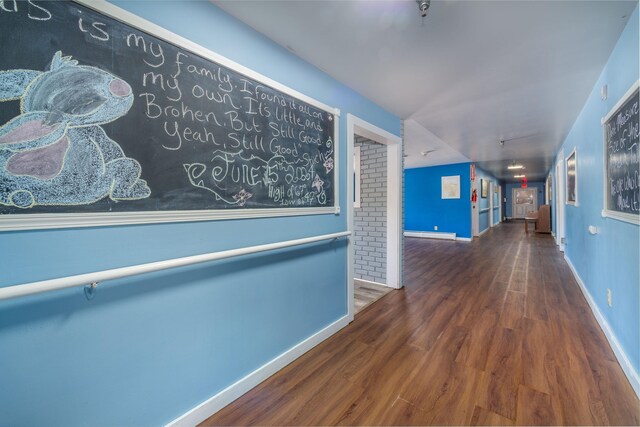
<point x="431" y="235"/>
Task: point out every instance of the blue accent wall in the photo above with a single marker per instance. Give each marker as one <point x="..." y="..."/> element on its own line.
<point x="608" y="259"/>
<point x="424" y="207"/>
<point x="149" y="348"/>
<point x="509" y="194"/>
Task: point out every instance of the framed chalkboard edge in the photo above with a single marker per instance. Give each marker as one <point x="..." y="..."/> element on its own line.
<point x="15" y="222"/>
<point x="635" y="86"/>
<point x="21" y="222"/>
<point x="606" y="212"/>
<point x="621" y="216"/>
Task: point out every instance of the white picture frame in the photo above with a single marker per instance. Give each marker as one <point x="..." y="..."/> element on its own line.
<point x="451" y="187"/>
<point x="606" y="211"/>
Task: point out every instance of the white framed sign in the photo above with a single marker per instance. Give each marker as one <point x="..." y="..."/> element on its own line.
<point x="621" y="166"/>
<point x="451" y="187"/>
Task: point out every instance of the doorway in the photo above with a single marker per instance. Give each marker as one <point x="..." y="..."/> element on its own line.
<point x="389" y="153"/>
<point x="500" y="217"/>
<point x="475" y="210"/>
<point x="560" y="201"/>
<point x="525" y="200"/>
<point x="491" y="201"/>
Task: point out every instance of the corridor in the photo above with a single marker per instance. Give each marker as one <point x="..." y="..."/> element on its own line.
<point x="490" y="332"/>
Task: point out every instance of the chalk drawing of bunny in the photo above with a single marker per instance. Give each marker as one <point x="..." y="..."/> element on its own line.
<point x="55" y="152"/>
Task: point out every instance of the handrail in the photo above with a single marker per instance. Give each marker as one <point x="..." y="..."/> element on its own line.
<point x="93" y="279"/>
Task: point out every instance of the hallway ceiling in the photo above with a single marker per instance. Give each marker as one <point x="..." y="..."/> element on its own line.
<point x="475" y="73"/>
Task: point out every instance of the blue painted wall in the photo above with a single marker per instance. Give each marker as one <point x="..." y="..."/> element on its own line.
<point x="424" y="207"/>
<point x="509" y="194"/>
<point x="610" y="258"/>
<point x="147" y="349"/>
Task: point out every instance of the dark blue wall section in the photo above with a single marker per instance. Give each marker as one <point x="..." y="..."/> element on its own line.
<point x="424" y="206"/>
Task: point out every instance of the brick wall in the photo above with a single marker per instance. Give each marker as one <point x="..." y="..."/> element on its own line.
<point x="370" y="219"/>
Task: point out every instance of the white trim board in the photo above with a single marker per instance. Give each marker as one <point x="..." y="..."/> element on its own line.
<point x="623" y="360"/>
<point x="430" y="235"/>
<point x="356" y="177"/>
<point x="212" y="405"/>
<point x="14" y="222"/>
<point x="374" y="283"/>
<point x="484" y="231"/>
<point x="436" y="235"/>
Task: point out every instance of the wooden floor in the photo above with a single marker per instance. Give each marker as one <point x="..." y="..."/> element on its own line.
<point x="366" y="294"/>
<point x="490" y="332"/>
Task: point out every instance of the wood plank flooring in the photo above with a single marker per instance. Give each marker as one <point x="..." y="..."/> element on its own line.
<point x="493" y="332"/>
<point x="366" y="294"/>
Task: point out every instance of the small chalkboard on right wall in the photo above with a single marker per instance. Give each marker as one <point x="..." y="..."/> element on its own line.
<point x="622" y="159"/>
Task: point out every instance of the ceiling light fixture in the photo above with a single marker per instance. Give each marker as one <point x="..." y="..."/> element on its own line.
<point x="514" y="166"/>
<point x="423" y="5"/>
<point x="519" y="176"/>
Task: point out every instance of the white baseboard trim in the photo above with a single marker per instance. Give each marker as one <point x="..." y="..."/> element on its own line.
<point x="463" y="239"/>
<point x="212" y="405"/>
<point x="624" y="361"/>
<point x="430" y="235"/>
<point x="374" y="283"/>
<point x="484" y="231"/>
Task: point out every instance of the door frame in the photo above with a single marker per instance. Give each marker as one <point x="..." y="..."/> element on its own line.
<point x="499" y="204"/>
<point x="560" y="207"/>
<point x="491" y="222"/>
<point x="356" y="125"/>
<point x="513" y="199"/>
<point x="475" y="209"/>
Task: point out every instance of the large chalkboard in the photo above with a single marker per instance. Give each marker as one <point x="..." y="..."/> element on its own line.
<point x="622" y="158"/>
<point x="99" y="115"/>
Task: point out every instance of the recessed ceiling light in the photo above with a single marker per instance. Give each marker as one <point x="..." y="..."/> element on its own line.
<point x="514" y="166"/>
<point x="519" y="176"/>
